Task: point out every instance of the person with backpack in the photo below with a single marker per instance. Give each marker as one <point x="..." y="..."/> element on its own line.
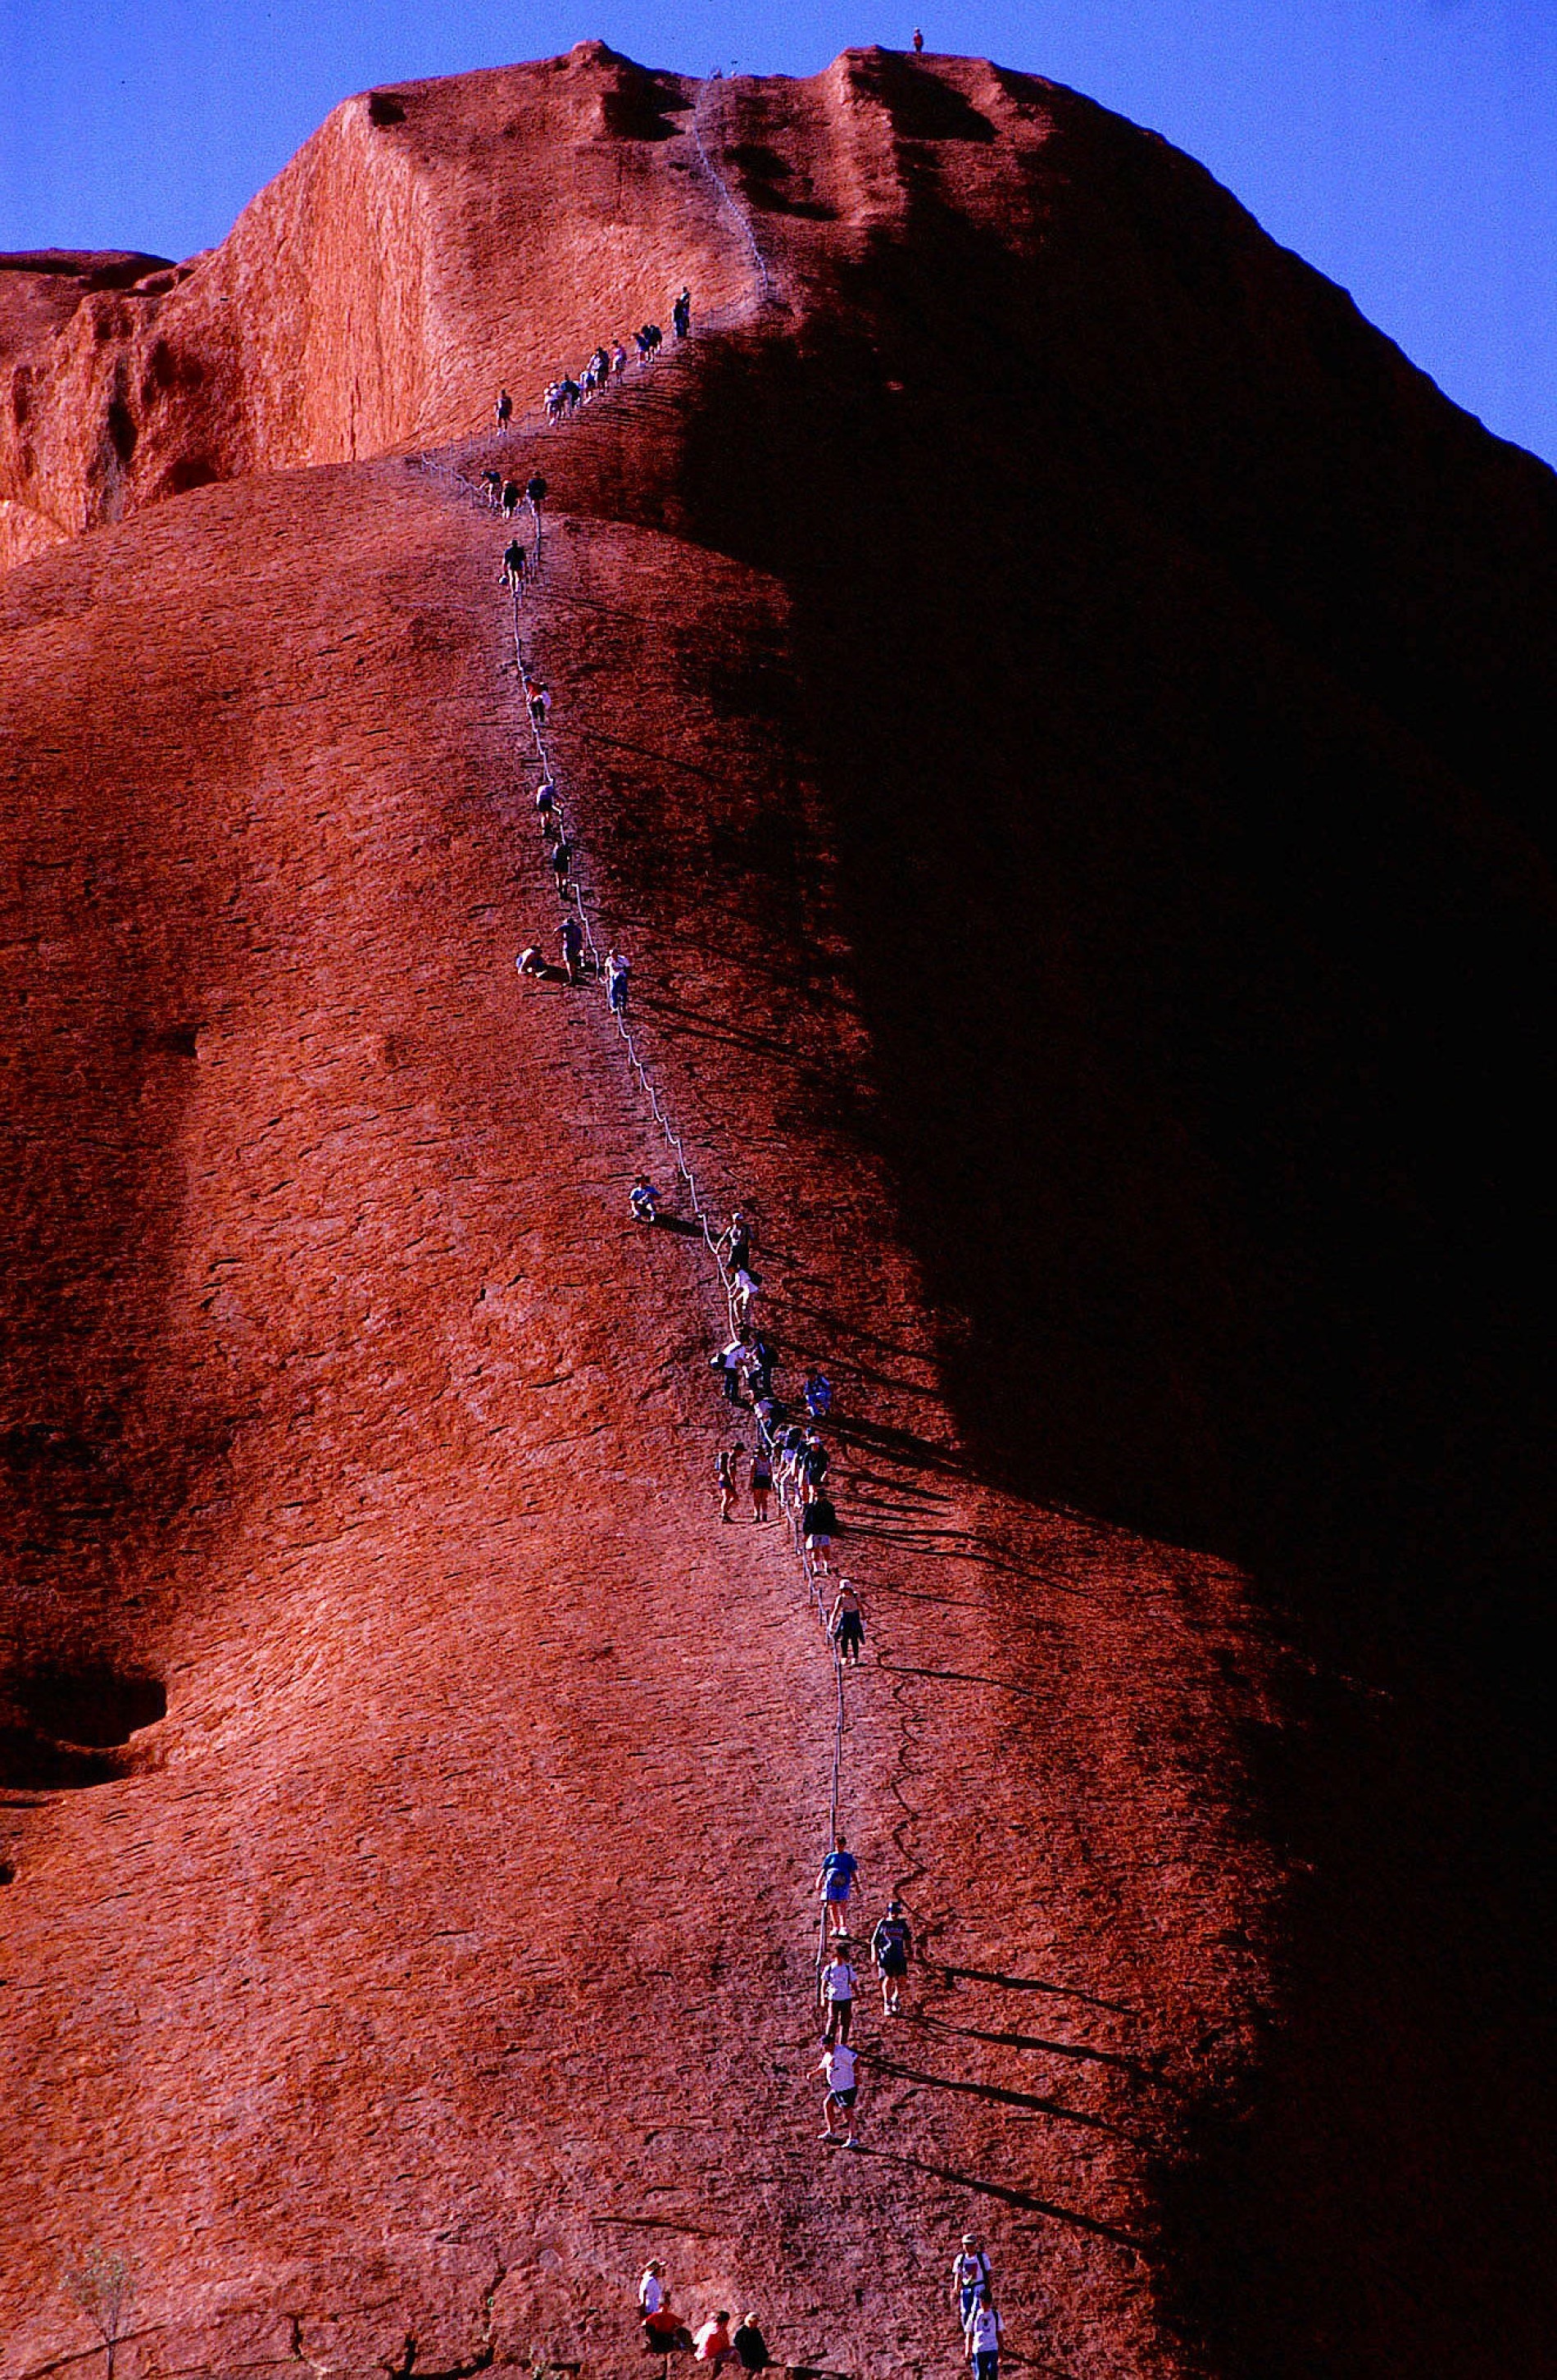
<point x="726" y="1471"/>
<point x="982" y="2331"/>
<point x="970" y="2273"/>
<point x="835" y="1881"/>
<point x="835" y="1990"/>
<point x="892" y="1947"/>
<point x="514" y="568"/>
<point x="846" y="1626"/>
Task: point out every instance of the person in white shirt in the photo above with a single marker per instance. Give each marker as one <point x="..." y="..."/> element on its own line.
<point x="982" y="2331"/>
<point x="836" y="1991"/>
<point x="652" y="2288"/>
<point x="837" y="2071"/>
<point x="970" y="2273"/>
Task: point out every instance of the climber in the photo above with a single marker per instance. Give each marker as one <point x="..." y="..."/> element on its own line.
<point x="743" y="1291"/>
<point x="970" y="2273"/>
<point x="514" y="567"/>
<point x="835" y="1991"/>
<point x="982" y="2330"/>
<point x="729" y="1361"/>
<point x="493" y="483"/>
<point x="681" y="314"/>
<point x="510" y="499"/>
<point x="644" y="1199"/>
<point x="919" y="42"/>
<point x="725" y="1466"/>
<point x="892" y="1947"/>
<point x="650" y="2288"/>
<point x="573" y="947"/>
<point x="814" y="1461"/>
<point x="847" y="1624"/>
<point x="562" y="864"/>
<point x="835" y="1880"/>
<point x="529" y="962"/>
<point x="761" y="1481"/>
<point x="503" y="408"/>
<point x="618" y="360"/>
<point x="538" y="701"/>
<point x="535" y="496"/>
<point x="714" y="2345"/>
<point x="817" y="1390"/>
<point x="819" y="1526"/>
<point x="545" y="796"/>
<point x="738" y="1234"/>
<point x="765" y="1356"/>
<point x="750" y="2346"/>
<point x="617" y="972"/>
<point x="837" y="2072"/>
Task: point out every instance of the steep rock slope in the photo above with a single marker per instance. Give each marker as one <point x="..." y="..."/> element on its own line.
<point x="1043" y="769"/>
<point x="425" y="245"/>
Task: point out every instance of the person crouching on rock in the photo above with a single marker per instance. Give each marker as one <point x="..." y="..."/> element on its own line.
<point x="750" y="2347"/>
<point x="713" y="2347"/>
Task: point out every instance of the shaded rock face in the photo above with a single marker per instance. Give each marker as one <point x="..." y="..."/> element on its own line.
<point x="1061" y="715"/>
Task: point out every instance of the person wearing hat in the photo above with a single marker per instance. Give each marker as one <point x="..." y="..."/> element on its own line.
<point x="834" y="1986"/>
<point x="970" y="2278"/>
<point x="892" y="1947"/>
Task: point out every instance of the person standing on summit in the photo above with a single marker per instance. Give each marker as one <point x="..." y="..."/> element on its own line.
<point x="919" y="42"/>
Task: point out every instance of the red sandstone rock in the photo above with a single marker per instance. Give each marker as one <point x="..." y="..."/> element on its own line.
<point x="1059" y="715"/>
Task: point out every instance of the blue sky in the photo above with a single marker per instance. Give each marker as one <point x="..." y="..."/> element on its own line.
<point x="1408" y="148"/>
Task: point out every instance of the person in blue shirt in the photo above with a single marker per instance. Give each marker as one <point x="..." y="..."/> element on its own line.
<point x="835" y="1881"/>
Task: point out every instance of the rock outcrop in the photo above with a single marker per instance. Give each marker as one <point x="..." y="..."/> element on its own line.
<point x="1061" y="715"/>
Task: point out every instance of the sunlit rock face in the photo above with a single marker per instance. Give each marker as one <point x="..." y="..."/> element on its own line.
<point x="1059" y="714"/>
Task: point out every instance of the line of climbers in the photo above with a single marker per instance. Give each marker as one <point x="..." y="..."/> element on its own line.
<point x="789" y="1462"/>
<point x="714" y="2344"/>
<point x="607" y="366"/>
